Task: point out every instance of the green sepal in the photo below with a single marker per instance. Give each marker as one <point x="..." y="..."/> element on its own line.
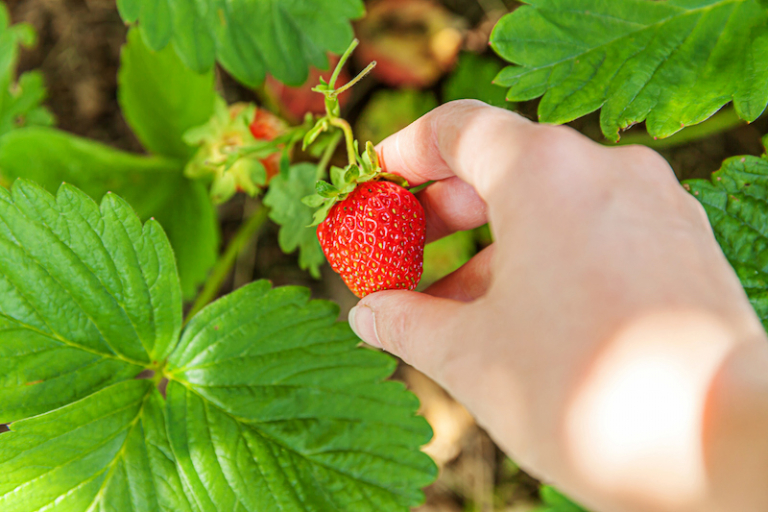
<point x="394" y="178"/>
<point x="326" y="190"/>
<point x="366" y="178"/>
<point x="351" y="174"/>
<point x="230" y="156"/>
<point x="213" y="128"/>
<point x="314" y="133"/>
<point x="370" y="156"/>
<point x="337" y="176"/>
<point x="313" y="201"/>
<point x="322" y="213"/>
<point x="344" y="181"/>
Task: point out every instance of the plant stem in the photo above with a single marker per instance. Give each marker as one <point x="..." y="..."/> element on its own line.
<point x="721" y="122"/>
<point x="348" y="135"/>
<point x="221" y="270"/>
<point x="343" y="60"/>
<point x="352" y="82"/>
<point x="322" y="165"/>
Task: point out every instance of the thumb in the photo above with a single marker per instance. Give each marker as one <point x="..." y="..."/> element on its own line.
<point x="418" y="328"/>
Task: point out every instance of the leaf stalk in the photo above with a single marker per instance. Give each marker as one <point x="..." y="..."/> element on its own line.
<point x="221" y="270"/>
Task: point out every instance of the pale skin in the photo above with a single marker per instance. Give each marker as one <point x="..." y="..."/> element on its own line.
<point x="603" y="340"/>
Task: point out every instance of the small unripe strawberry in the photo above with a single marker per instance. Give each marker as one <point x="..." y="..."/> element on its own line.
<point x="240" y="147"/>
<point x="267" y="126"/>
<point x="375" y="238"/>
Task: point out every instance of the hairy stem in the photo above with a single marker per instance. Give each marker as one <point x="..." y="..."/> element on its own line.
<point x="349" y="136"/>
<point x="343" y="60"/>
<point x="721" y="122"/>
<point x="221" y="270"/>
<point x="354" y="81"/>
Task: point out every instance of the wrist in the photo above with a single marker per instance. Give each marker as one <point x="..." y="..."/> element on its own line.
<point x="735" y="433"/>
<point x="657" y="396"/>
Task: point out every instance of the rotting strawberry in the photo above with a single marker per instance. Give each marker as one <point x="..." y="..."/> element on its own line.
<point x="371" y="229"/>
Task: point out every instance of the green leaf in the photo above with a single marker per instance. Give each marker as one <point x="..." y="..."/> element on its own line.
<point x="19" y="102"/>
<point x="736" y="202"/>
<point x="108" y="451"/>
<point x="161" y="98"/>
<point x="554" y="501"/>
<point x="672" y="64"/>
<point x="154" y="186"/>
<point x="472" y="79"/>
<point x="325" y="189"/>
<point x="192" y="225"/>
<point x="285" y="201"/>
<point x="88" y="296"/>
<point x="248" y="38"/>
<point x="272" y="406"/>
<point x="22" y="104"/>
<point x="156" y="26"/>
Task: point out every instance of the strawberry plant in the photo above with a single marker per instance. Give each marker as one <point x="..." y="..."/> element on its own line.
<point x="19" y="99"/>
<point x="671" y="64"/>
<point x="113" y="399"/>
<point x="248" y="39"/>
<point x="269" y="404"/>
<point x="125" y="385"/>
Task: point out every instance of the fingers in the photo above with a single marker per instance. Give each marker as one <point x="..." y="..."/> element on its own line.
<point x="417" y="328"/>
<point x="451" y="205"/>
<point x="468" y="283"/>
<point x="467" y="138"/>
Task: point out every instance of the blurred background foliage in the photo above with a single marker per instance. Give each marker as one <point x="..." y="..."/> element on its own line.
<point x="60" y="63"/>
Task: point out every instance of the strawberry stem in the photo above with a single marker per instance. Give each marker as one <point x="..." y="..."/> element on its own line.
<point x="355" y="80"/>
<point x="327" y="155"/>
<point x="343" y="60"/>
<point x="348" y="135"/>
<point x="247" y="231"/>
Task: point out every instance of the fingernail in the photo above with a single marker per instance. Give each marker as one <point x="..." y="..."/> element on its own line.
<point x="363" y="323"/>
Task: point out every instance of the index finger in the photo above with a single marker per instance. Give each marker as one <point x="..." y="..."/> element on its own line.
<point x="465" y="138"/>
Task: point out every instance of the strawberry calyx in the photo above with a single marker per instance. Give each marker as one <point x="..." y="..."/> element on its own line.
<point x="361" y="168"/>
<point x="345" y="181"/>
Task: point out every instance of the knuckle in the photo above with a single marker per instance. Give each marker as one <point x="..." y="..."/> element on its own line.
<point x="464" y="104"/>
<point x="694" y="209"/>
<point x="646" y="160"/>
<point x="393" y="331"/>
<point x="557" y="147"/>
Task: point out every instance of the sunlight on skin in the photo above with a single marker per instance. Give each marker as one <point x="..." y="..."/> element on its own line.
<point x="637" y="421"/>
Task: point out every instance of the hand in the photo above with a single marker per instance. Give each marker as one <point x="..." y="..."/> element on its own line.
<point x="603" y="340"/>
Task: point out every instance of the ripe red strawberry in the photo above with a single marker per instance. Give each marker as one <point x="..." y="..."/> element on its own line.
<point x="375" y="238"/>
